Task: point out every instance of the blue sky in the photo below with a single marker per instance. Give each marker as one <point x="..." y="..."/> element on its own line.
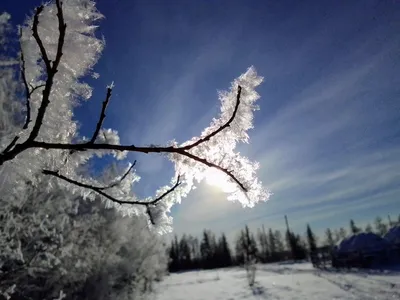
<point x="328" y="133"/>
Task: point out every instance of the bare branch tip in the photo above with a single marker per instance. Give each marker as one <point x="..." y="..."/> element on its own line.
<point x="11" y="145"/>
<point x="102" y="117"/>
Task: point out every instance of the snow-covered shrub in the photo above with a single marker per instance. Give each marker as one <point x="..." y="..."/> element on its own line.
<point x="55" y="241"/>
<point x="134" y="259"/>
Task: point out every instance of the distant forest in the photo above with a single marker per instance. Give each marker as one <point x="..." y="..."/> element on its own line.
<point x="268" y="245"/>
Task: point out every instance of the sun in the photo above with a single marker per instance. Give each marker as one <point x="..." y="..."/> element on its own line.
<point x="220" y="180"/>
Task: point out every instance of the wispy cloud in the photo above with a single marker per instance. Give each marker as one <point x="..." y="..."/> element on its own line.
<point x="319" y="152"/>
<point x="176" y="108"/>
<point x="328" y="133"/>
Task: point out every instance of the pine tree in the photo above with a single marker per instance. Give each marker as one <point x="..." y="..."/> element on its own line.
<point x="291" y="243"/>
<point x="224" y="252"/>
<point x="295" y="245"/>
<point x="280" y="247"/>
<point x="239" y="248"/>
<point x="185" y="255"/>
<point x="205" y="250"/>
<point x="264" y="245"/>
<point x="380" y="227"/>
<point x="173" y="258"/>
<point x="175" y="264"/>
<point x="312" y="244"/>
<point x="353" y="228"/>
<point x="250" y="245"/>
<point x="246" y="247"/>
<point x="329" y="240"/>
<point x="272" y="245"/>
<point x="194" y="251"/>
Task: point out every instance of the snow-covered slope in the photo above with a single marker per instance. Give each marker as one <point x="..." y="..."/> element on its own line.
<point x="282" y="281"/>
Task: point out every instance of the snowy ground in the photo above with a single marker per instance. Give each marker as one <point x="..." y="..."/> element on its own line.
<point x="282" y="281"/>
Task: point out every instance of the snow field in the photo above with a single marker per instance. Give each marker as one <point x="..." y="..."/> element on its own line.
<point x="283" y="282"/>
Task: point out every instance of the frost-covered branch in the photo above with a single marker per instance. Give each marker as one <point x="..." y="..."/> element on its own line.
<point x="132" y="148"/>
<point x="218" y="130"/>
<point x="100" y="190"/>
<point x="29" y="89"/>
<point x="51" y="69"/>
<point x="54" y="60"/>
<point x="39" y="42"/>
<point x="117" y="182"/>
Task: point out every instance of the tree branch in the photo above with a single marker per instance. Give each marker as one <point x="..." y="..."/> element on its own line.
<point x="226" y="125"/>
<point x="148" y="212"/>
<point x="35" y="34"/>
<point x="133" y="148"/>
<point x="212" y="165"/>
<point x="51" y="70"/>
<point x="102" y="116"/>
<point x="33" y="89"/>
<point x="61" y="28"/>
<point x="9" y="147"/>
<point x="27" y="92"/>
<point x="155" y="201"/>
<point x="100" y="191"/>
<point x="114" y="184"/>
<point x="178" y="182"/>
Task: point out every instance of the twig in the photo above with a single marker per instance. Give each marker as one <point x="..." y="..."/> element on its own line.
<point x="212" y="165"/>
<point x="114" y="184"/>
<point x="111" y="198"/>
<point x="178" y="182"/>
<point x="102" y="116"/>
<point x="61" y="28"/>
<point x="35" y="34"/>
<point x="8" y="148"/>
<point x="226" y="125"/>
<point x="35" y="88"/>
<point x="27" y="92"/>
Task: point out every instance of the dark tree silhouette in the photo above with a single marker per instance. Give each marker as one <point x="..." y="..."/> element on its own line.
<point x="353" y="228"/>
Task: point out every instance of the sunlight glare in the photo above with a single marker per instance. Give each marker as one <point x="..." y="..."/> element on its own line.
<point x="218" y="179"/>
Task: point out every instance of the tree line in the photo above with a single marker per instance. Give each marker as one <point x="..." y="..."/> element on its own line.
<point x="265" y="245"/>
